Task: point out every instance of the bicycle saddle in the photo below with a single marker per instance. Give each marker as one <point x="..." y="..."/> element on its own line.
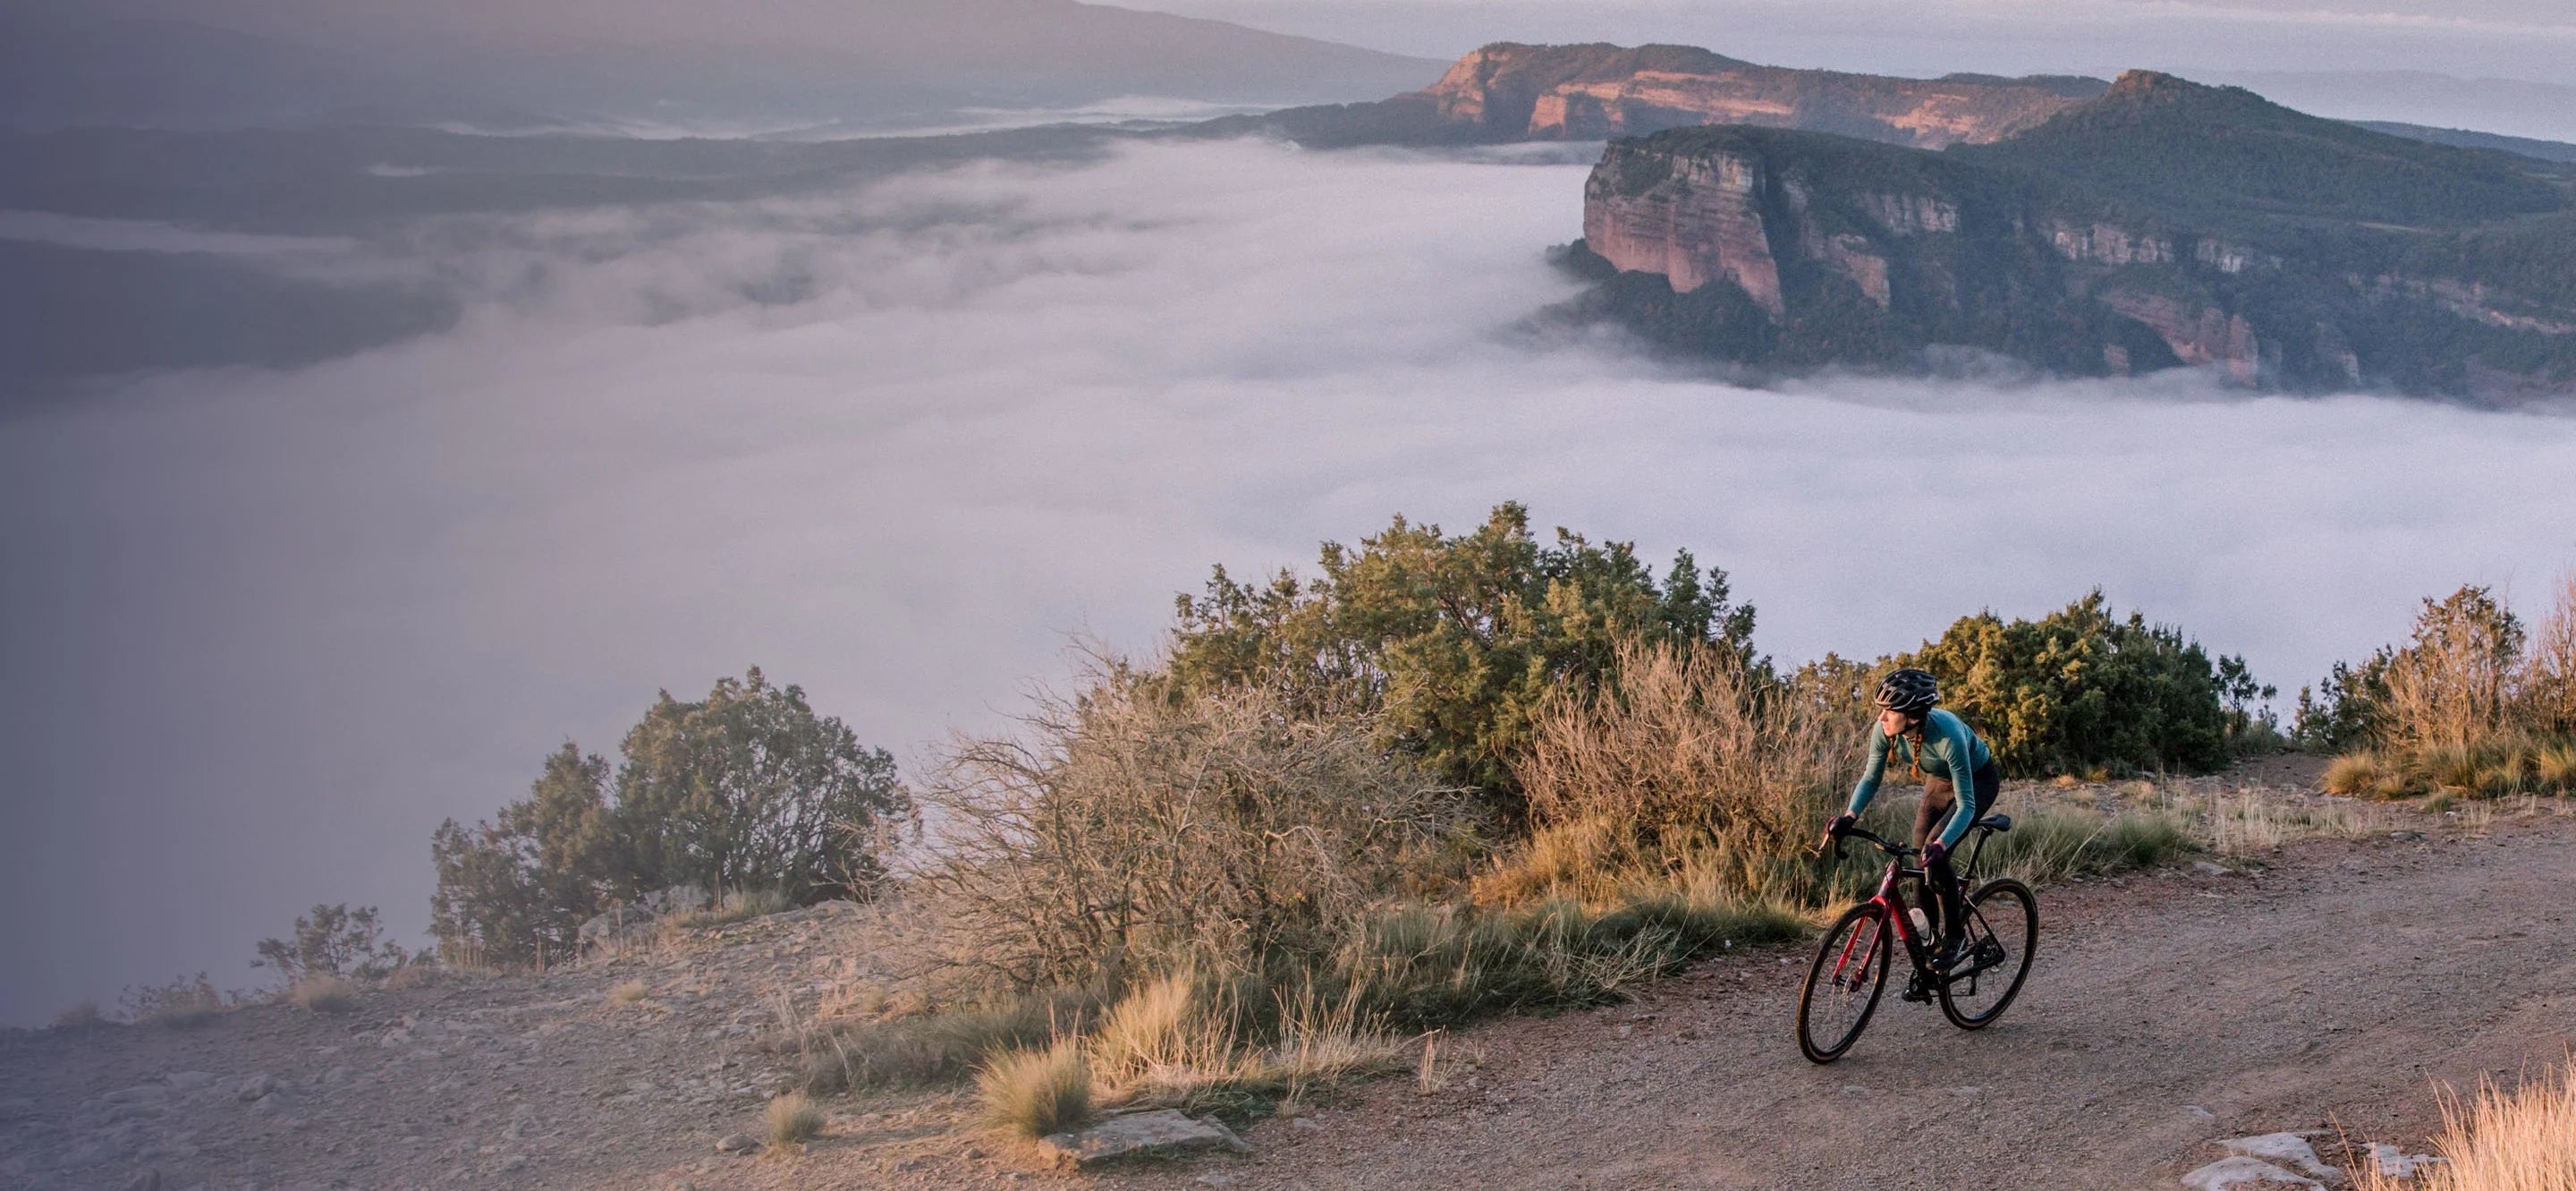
<point x="1995" y="823"/>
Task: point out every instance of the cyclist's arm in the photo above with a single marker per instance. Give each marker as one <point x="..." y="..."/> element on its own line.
<point x="1868" y="787"/>
<point x="1963" y="780"/>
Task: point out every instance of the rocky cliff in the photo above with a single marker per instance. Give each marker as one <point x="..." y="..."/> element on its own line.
<point x="2160" y="224"/>
<point x="1512" y="92"/>
<point x="1587" y="92"/>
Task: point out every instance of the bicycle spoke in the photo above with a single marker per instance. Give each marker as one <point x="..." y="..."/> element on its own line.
<point x="1843" y="985"/>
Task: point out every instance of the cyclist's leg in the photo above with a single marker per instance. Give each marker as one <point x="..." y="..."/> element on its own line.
<point x="1938" y="796"/>
<point x="1939" y="799"/>
<point x="1974" y="801"/>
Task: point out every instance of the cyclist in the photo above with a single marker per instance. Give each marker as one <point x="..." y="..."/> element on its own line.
<point x="1959" y="782"/>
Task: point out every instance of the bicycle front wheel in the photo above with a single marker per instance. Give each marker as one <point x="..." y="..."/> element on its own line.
<point x="2003" y="932"/>
<point x="1843" y="983"/>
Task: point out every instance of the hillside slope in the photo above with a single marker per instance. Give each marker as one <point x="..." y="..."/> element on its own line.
<point x="2164" y="1011"/>
<point x="2163" y="223"/>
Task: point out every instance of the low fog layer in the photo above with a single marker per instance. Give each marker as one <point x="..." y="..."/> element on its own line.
<point x="267" y="629"/>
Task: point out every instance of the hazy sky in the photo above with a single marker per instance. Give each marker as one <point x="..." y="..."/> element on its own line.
<point x="267" y="630"/>
<point x="2529" y="39"/>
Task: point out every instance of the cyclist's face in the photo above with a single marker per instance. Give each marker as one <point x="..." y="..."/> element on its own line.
<point x="1894" y="722"/>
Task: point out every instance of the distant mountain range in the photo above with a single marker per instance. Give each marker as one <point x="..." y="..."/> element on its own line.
<point x="1511" y="92"/>
<point x="761" y="64"/>
<point x="2162" y="223"/>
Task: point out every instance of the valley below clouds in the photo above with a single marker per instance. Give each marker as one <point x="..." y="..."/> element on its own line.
<point x="902" y="443"/>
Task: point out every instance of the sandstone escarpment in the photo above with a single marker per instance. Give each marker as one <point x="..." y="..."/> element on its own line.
<point x="1701" y="220"/>
<point x="1778" y="247"/>
<point x="1587" y="92"/>
<point x="1510" y="92"/>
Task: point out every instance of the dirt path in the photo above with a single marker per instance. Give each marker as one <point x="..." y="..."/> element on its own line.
<point x="2161" y="1014"/>
<point x="2164" y="1012"/>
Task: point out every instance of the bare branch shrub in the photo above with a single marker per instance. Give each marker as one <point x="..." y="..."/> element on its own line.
<point x="1688" y="752"/>
<point x="1140" y="827"/>
<point x="2548" y="687"/>
<point x="2453" y="686"/>
<point x="181" y="1004"/>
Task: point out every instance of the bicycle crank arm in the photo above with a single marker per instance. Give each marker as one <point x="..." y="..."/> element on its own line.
<point x="1956" y="975"/>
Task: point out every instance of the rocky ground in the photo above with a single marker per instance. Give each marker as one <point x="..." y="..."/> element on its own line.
<point x="2328" y="987"/>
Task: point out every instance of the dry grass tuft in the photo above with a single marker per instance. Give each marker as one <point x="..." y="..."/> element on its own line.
<point x="1181" y="1041"/>
<point x="2365" y="774"/>
<point x="736" y="907"/>
<point x="181" y="1004"/>
<point x="2250" y="822"/>
<point x="910" y="1045"/>
<point x="2554" y="767"/>
<point x="411" y="975"/>
<point x="793" y="1119"/>
<point x="79" y="1017"/>
<point x="324" y="994"/>
<point x="2051" y="843"/>
<point x="629" y="992"/>
<point x="2523" y="1140"/>
<point x="1034" y="1093"/>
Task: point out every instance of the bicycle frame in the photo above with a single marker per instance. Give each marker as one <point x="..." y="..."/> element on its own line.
<point x="1892" y="908"/>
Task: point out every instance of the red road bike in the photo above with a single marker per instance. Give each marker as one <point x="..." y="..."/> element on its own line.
<point x="1850" y="971"/>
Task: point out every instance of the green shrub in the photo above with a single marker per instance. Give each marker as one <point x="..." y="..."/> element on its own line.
<point x="333" y="941"/>
<point x="1450" y="644"/>
<point x="2080" y="690"/>
<point x="747" y="789"/>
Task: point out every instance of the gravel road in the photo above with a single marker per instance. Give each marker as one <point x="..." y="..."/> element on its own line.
<point x="2162" y="1014"/>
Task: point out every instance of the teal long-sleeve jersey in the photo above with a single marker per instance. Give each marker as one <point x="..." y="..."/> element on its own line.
<point x="1950" y="750"/>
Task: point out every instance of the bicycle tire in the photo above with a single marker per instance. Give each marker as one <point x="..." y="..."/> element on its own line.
<point x="2018" y="951"/>
<point x="1862" y="931"/>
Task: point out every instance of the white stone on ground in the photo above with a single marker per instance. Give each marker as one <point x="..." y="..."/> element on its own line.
<point x="2227" y="1174"/>
<point x="2285" y="1149"/>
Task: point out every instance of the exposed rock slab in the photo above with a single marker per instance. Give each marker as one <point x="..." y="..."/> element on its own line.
<point x="2251" y="1174"/>
<point x="2290" y="1150"/>
<point x="1162" y="1132"/>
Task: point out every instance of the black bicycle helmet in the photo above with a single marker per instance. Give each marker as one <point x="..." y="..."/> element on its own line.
<point x="1908" y="690"/>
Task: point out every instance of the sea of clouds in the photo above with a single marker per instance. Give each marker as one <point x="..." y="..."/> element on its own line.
<point x="265" y="630"/>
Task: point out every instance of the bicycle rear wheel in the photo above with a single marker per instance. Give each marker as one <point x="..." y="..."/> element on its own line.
<point x="1843" y="984"/>
<point x="2003" y="933"/>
